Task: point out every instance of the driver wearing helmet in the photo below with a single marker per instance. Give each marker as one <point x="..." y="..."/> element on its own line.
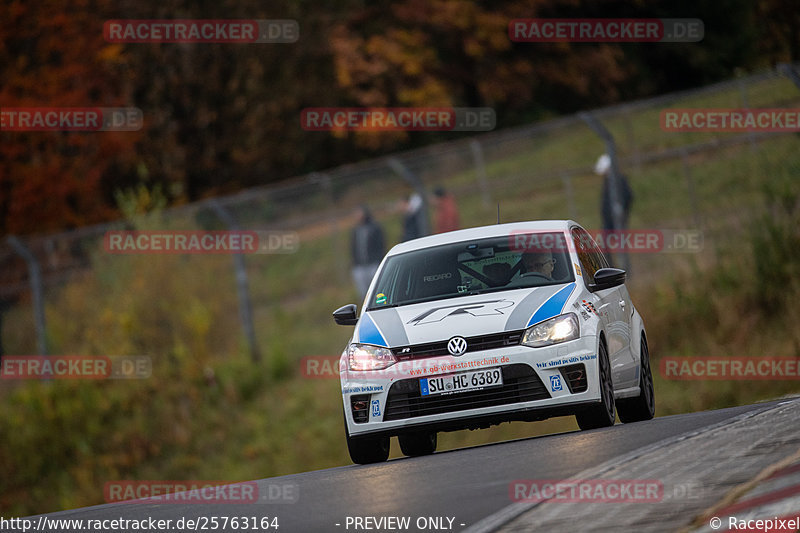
<point x="538" y="264"/>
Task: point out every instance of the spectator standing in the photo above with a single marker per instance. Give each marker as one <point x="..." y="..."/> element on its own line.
<point x="413" y="218"/>
<point x="447" y="218"/>
<point x="624" y="194"/>
<point x="624" y="197"/>
<point x="367" y="249"/>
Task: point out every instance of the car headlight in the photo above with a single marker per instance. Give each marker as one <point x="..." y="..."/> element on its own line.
<point x="559" y="329"/>
<point x="369" y="357"/>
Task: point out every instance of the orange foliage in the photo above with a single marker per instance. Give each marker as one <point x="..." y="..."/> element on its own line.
<point x="54" y="55"/>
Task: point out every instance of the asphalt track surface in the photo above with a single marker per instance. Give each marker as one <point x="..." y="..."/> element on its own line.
<point x="466" y="485"/>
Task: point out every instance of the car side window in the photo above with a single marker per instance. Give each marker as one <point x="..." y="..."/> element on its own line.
<point x="589" y="255"/>
<point x="600" y="257"/>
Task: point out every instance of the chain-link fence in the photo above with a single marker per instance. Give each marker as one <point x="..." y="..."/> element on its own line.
<point x="539" y="171"/>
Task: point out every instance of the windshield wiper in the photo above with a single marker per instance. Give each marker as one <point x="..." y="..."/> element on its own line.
<point x="383" y="307"/>
<point x="484" y="291"/>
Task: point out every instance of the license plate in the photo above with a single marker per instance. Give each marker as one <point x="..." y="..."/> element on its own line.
<point x="465" y="381"/>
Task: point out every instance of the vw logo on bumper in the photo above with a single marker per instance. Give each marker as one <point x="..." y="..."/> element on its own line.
<point x="457" y="346"/>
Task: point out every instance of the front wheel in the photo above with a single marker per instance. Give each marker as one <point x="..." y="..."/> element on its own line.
<point x="416" y="444"/>
<point x="642" y="407"/>
<point x="603" y="414"/>
<point x="366" y="450"/>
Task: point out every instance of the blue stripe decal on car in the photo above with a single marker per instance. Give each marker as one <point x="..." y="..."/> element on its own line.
<point x="368" y="332"/>
<point x="553" y="306"/>
<point x="388" y="321"/>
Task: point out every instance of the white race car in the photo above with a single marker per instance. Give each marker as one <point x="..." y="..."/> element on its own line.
<point x="480" y="326"/>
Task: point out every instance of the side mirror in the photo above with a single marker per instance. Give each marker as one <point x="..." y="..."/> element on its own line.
<point x="606" y="278"/>
<point x="346" y="315"/>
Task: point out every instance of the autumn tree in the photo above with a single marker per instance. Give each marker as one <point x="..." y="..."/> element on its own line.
<point x="53" y="55"/>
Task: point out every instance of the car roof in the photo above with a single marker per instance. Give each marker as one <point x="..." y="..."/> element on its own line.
<point x="482" y="232"/>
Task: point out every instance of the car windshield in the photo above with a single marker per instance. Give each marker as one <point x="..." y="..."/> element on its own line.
<point x="473" y="267"/>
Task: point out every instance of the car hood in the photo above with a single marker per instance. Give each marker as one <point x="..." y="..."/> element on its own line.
<point x="467" y="316"/>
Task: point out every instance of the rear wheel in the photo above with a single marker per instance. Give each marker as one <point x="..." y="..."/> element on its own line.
<point x="416" y="444"/>
<point x="603" y="414"/>
<point x="642" y="407"/>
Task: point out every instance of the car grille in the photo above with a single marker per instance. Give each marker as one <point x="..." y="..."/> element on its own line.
<point x="520" y="384"/>
<point x="576" y="377"/>
<point x="474" y="344"/>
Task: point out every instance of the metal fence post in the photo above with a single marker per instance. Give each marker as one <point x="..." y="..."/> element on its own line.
<point x="566" y="179"/>
<point x="480" y="172"/>
<point x="611" y="148"/>
<point x="787" y="69"/>
<point x="634" y="146"/>
<point x="326" y="183"/>
<point x="35" y="278"/>
<point x="245" y="306"/>
<point x="743" y="95"/>
<point x="690" y="186"/>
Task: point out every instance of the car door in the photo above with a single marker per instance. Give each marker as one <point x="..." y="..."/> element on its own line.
<point x="620" y="307"/>
<point x="611" y="306"/>
<point x="626" y="316"/>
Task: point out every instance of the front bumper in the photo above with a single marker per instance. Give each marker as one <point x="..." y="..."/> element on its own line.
<point x="538" y="383"/>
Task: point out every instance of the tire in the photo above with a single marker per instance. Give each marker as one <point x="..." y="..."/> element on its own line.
<point x="366" y="450"/>
<point x="643" y="407"/>
<point x="416" y="444"/>
<point x="603" y="414"/>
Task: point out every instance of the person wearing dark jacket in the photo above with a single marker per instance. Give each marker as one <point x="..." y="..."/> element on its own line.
<point x="603" y="168"/>
<point x="414" y="220"/>
<point x="367" y="249"/>
<point x="625" y="199"/>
